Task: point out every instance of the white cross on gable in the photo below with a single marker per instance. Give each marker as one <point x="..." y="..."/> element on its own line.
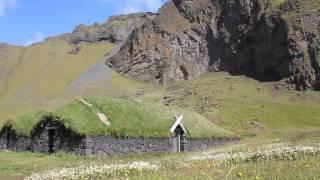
<point x="179" y="121"/>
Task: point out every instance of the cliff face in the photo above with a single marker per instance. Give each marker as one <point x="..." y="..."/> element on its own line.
<point x="257" y="38"/>
<point x="116" y="29"/>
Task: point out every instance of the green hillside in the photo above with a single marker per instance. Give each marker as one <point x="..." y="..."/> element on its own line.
<point x="41" y="74"/>
<point x="47" y="69"/>
<point x="248" y="107"/>
<point x="244" y="106"/>
<point x="127" y="119"/>
<point x="237" y="103"/>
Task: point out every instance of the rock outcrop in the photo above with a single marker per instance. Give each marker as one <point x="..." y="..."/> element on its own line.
<point x="257" y="38"/>
<point x="116" y="29"/>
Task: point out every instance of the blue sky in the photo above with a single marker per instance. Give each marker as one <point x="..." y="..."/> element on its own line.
<point x="23" y="22"/>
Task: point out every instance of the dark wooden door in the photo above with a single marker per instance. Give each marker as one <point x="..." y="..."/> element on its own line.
<point x="51" y="134"/>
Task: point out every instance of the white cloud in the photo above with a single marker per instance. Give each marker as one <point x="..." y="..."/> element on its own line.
<point x="36" y="37"/>
<point x="6" y="5"/>
<point x="132" y="6"/>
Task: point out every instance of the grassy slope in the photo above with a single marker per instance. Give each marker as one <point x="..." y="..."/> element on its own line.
<point x="233" y="103"/>
<point x="237" y="102"/>
<point x="9" y="57"/>
<point x="127" y="118"/>
<point x="50" y="63"/>
<point x="42" y="73"/>
<point x="138" y="119"/>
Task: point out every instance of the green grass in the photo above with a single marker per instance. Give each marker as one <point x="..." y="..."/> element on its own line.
<point x="140" y="119"/>
<point x="48" y="89"/>
<point x="280" y="119"/>
<point x="17" y="165"/>
<point x="9" y="56"/>
<point x="117" y="23"/>
<point x="235" y="103"/>
<point x="278" y="3"/>
<point x="50" y="64"/>
<point x="128" y="119"/>
<point x="124" y="87"/>
<point x="307" y="168"/>
<point x="174" y="166"/>
<point x="39" y="76"/>
<point x="231" y="102"/>
<point x="24" y="125"/>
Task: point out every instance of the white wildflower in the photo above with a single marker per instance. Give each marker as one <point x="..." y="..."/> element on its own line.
<point x="92" y="171"/>
<point x="274" y="151"/>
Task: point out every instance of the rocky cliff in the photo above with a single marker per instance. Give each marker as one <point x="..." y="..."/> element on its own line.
<point x="267" y="40"/>
<point x="116" y="29"/>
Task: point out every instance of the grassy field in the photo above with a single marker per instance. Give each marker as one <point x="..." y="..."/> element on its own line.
<point x="247" y="160"/>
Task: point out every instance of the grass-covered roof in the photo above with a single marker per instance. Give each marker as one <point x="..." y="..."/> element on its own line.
<point x="127" y="119"/>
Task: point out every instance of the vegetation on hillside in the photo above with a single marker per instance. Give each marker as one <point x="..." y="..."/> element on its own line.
<point x="50" y="64"/>
<point x="238" y="104"/>
<point x="278" y="3"/>
<point x="40" y="75"/>
<point x="127" y="118"/>
<point x="292" y="9"/>
<point x="247" y="107"/>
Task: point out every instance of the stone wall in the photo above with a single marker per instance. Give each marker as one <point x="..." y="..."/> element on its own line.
<point x="110" y="145"/>
<point x="106" y="145"/>
<point x="3" y="140"/>
<point x="18" y="143"/>
<point x="63" y="139"/>
<point x="68" y="141"/>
